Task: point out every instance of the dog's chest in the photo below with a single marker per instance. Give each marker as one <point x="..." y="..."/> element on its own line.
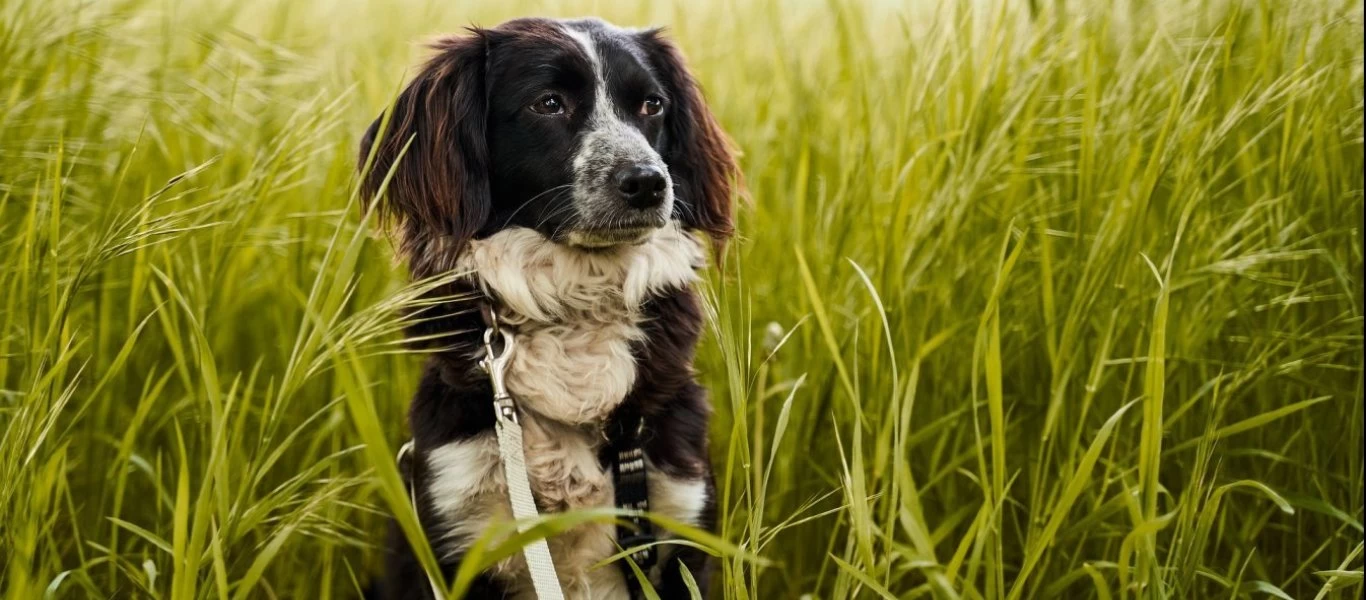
<point x="576" y="318"/>
<point x="576" y="315"/>
<point x="575" y="372"/>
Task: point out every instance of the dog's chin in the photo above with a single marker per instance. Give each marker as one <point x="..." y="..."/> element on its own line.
<point x="605" y="239"/>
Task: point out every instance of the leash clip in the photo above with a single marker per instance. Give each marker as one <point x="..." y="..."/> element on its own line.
<point x="495" y="363"/>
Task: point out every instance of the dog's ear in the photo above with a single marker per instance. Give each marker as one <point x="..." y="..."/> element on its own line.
<point x="700" y="156"/>
<point x="428" y="176"/>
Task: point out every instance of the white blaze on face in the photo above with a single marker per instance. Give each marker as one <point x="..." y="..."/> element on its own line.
<point x="608" y="144"/>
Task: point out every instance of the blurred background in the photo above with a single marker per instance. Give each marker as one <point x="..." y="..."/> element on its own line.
<point x="1031" y="299"/>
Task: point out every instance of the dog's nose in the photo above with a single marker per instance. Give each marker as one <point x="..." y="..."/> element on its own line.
<point x="641" y="186"/>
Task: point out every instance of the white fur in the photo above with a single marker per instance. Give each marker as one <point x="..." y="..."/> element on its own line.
<point x="681" y="499"/>
<point x="575" y="315"/>
<point x="466" y="484"/>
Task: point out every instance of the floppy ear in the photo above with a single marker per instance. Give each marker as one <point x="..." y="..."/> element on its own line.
<point x="699" y="154"/>
<point x="434" y="145"/>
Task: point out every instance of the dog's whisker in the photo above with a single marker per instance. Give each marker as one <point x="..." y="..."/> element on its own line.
<point x="554" y="190"/>
<point x="554" y="213"/>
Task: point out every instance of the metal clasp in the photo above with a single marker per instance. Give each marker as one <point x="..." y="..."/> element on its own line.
<point x="495" y="363"/>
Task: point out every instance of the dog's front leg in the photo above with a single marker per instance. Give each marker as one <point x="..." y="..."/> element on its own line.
<point x="405" y="579"/>
<point x="450" y="414"/>
<point x="677" y="448"/>
<point x="699" y="564"/>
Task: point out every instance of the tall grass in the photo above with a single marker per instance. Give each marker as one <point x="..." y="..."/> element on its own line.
<point x="1036" y="299"/>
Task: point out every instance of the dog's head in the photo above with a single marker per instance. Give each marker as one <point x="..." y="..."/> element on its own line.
<point x="594" y="136"/>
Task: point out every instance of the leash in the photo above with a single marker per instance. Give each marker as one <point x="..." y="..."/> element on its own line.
<point x="543" y="577"/>
<point x="626" y="431"/>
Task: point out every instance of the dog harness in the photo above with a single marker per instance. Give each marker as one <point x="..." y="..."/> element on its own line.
<point x="625" y="433"/>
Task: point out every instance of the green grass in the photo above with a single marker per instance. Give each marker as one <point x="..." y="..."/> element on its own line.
<point x="1033" y="299"/>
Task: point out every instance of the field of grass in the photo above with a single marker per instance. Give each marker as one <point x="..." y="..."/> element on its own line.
<point x="1032" y="299"/>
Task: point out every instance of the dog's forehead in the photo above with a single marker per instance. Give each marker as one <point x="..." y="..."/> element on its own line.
<point x="533" y="38"/>
<point x="588" y="43"/>
<point x="605" y="38"/>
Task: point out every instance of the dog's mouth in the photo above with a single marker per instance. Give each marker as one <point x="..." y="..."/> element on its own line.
<point x="597" y="239"/>
<point x="617" y="228"/>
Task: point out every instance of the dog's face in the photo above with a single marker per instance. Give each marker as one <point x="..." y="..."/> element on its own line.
<point x="593" y="135"/>
<point x="576" y="134"/>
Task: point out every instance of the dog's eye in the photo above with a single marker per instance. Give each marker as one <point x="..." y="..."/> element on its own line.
<point x="550" y="104"/>
<point x="652" y="106"/>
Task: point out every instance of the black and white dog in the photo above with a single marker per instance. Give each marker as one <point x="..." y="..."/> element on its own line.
<point x="572" y="169"/>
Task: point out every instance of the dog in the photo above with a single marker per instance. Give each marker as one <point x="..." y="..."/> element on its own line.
<point x="573" y="173"/>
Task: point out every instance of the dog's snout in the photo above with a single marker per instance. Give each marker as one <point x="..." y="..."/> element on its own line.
<point x="641" y="185"/>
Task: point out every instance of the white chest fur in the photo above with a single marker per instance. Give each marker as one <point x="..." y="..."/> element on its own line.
<point x="576" y="315"/>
